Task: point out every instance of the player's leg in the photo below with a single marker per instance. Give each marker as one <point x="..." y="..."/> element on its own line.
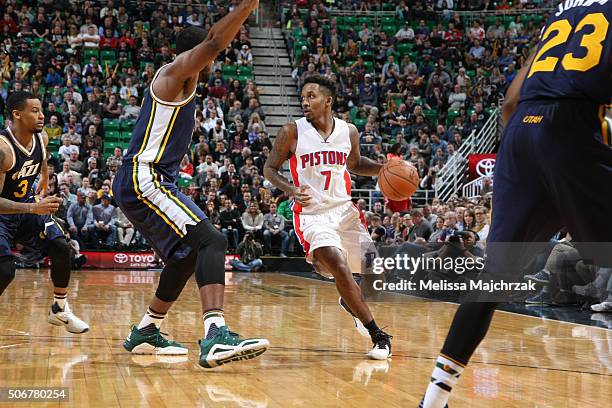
<point x="522" y="212"/>
<point x="219" y="345"/>
<point x="334" y="261"/>
<point x="163" y="223"/>
<point x="42" y="231"/>
<point x="7" y="272"/>
<point x="359" y="248"/>
<point x="7" y="260"/>
<point x="356" y="243"/>
<point x="146" y="338"/>
<point x="322" y="237"/>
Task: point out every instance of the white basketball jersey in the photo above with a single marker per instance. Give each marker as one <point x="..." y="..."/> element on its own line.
<point x="320" y="165"/>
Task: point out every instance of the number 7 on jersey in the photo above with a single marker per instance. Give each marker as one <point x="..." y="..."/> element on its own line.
<point x="327" y="174"/>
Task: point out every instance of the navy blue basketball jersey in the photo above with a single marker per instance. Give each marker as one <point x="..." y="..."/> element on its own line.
<point x="574" y="57"/>
<point x="19" y="179"/>
<point x="162" y="133"/>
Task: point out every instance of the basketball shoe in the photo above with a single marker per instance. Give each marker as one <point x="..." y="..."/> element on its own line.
<point x="358" y="325"/>
<point x="227" y="346"/>
<point x="155" y="343"/>
<point x="382" y="346"/>
<point x="65" y="317"/>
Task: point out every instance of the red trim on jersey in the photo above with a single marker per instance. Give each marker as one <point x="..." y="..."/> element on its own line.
<point x="293" y="168"/>
<point x="361" y="217"/>
<point x="298" y="230"/>
<point x="347" y="182"/>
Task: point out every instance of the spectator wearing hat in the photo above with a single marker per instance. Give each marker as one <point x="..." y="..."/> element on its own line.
<point x="402" y="128"/>
<point x="218" y="90"/>
<point x="368" y="92"/>
<point x="92" y="170"/>
<point x="245" y="56"/>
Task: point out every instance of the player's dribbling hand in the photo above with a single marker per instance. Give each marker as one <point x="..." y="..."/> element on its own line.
<point x="300" y="195"/>
<point x="47" y="205"/>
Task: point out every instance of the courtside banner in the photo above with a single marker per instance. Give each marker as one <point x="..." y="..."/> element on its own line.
<point x="481" y="165"/>
<point x="129" y="260"/>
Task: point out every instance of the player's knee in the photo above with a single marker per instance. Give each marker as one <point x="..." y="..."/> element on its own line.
<point x="58" y="249"/>
<point x="205" y="235"/>
<point x="217" y="241"/>
<point x="210" y="266"/>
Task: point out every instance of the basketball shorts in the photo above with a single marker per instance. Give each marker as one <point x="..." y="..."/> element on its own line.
<point x="554" y="170"/>
<point x="342" y="227"/>
<point x="156" y="208"/>
<point x="28" y="229"/>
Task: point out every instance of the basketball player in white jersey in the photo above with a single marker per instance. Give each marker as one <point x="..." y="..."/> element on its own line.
<point x="329" y="226"/>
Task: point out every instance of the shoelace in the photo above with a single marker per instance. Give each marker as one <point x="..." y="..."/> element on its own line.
<point x="161" y="339"/>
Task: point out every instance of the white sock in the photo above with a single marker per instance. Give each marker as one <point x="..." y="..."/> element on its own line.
<point x="444" y="377"/>
<point x="151" y="317"/>
<point x="213" y="319"/>
<point x="60" y="299"/>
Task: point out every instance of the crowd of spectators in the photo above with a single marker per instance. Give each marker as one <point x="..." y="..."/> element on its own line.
<point x="90" y="63"/>
<point x="415" y="77"/>
<point x="415" y="82"/>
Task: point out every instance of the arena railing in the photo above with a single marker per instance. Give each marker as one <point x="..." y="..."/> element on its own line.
<point x="451" y="178"/>
<point x="419" y="198"/>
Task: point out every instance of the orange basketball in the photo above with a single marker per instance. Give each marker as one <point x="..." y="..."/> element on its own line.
<point x="398" y="179"/>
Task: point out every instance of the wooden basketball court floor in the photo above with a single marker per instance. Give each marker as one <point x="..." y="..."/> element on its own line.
<point x="316" y="359"/>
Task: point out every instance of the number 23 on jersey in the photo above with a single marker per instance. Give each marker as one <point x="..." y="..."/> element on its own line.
<point x="559" y="32"/>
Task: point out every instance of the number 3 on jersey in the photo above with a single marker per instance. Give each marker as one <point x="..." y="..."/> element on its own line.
<point x="24" y="189"/>
<point x="562" y="30"/>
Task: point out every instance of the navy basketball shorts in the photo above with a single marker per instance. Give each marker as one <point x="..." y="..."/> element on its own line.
<point x="28" y="229"/>
<point x="157" y="209"/>
<point x="553" y="170"/>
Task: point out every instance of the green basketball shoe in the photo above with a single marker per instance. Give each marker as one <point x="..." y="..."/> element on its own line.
<point x="153" y="344"/>
<point x="227" y="346"/>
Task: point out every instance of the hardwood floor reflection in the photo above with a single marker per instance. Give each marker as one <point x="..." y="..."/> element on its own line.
<point x="317" y="358"/>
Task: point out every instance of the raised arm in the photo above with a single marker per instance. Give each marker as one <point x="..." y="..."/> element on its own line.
<point x="189" y="63"/>
<point x="513" y="94"/>
<point x="356" y="163"/>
